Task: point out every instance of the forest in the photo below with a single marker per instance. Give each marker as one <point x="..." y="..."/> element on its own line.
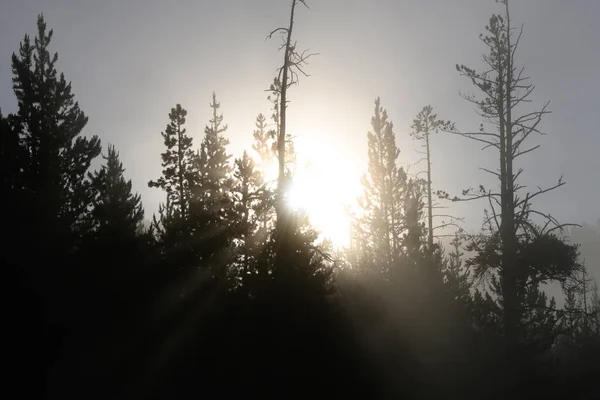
<point x="229" y="289"/>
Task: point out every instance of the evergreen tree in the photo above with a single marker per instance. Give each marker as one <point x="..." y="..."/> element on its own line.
<point x="13" y="158"/>
<point x="383" y="220"/>
<point x="118" y="251"/>
<point x="117" y="211"/>
<point x="263" y="142"/>
<point x="456" y="277"/>
<point x="247" y="197"/>
<point x="50" y="123"/>
<point x="178" y="162"/>
<point x="423" y="126"/>
<point x="265" y="149"/>
<point x="180" y="176"/>
<point x="211" y="205"/>
<point x="52" y="198"/>
<point x="412" y="240"/>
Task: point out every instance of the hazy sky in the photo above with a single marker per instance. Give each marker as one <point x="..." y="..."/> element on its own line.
<point x="130" y="61"/>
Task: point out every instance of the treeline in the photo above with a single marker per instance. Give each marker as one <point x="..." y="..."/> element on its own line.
<point x="227" y="291"/>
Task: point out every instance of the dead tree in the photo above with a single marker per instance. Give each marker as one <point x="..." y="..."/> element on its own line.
<point x="505" y="90"/>
<point x="293" y="65"/>
<point x="425" y="124"/>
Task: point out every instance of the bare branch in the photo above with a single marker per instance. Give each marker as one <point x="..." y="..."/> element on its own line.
<point x="274" y="31"/>
<point x="539" y="192"/>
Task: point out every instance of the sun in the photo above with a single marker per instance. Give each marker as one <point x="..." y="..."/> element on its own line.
<point x="325" y="186"/>
<point x="322" y="189"/>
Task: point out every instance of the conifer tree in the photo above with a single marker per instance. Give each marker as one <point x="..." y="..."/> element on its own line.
<point x="118" y="212"/>
<point x="178" y="162"/>
<point x="50" y="123"/>
<point x="423" y="126"/>
<point x="12" y="157"/>
<point x="118" y="249"/>
<point x="264" y="147"/>
<point x="211" y="204"/>
<point x="52" y="200"/>
<point x="263" y="142"/>
<point x="385" y="186"/>
<point x="412" y="239"/>
<point x="247" y="197"/>
<point x="456" y="277"/>
<point x="214" y="166"/>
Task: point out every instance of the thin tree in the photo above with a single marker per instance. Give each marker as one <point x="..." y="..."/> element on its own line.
<point x="177" y="161"/>
<point x="293" y="65"/>
<point x="248" y="197"/>
<point x="383" y="221"/>
<point x="263" y="146"/>
<point x="423" y="126"/>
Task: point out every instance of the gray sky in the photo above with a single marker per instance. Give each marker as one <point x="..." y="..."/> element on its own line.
<point x="130" y="61"/>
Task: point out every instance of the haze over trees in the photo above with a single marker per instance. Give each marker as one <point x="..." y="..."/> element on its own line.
<point x="229" y="289"/>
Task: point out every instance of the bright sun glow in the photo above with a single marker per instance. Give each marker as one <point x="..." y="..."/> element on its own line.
<point x="323" y="186"/>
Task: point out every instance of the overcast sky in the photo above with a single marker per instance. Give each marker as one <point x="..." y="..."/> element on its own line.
<point x="130" y="61"/>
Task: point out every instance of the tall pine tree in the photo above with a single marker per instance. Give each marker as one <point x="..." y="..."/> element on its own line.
<point x="247" y="198"/>
<point x="382" y="221"/>
<point x="50" y="124"/>
<point x="178" y="162"/>
<point x="211" y="204"/>
<point x="53" y="194"/>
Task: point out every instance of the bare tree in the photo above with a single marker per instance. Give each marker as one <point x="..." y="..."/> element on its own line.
<point x="505" y="91"/>
<point x="288" y="75"/>
<point x="423" y="126"/>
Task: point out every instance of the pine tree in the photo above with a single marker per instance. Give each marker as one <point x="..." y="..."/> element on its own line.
<point x="50" y="123"/>
<point x="215" y="169"/>
<point x="178" y="162"/>
<point x="265" y="149"/>
<point x="52" y="198"/>
<point x="263" y="139"/>
<point x="118" y="213"/>
<point x="247" y="197"/>
<point x="412" y="240"/>
<point x="423" y="126"/>
<point x="118" y="250"/>
<point x="382" y="203"/>
<point x="456" y="277"/>
<point x="211" y="204"/>
<point x="13" y="158"/>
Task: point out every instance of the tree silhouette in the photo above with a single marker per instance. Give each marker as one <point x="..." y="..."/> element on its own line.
<point x="116" y="208"/>
<point x="247" y="205"/>
<point x="423" y="126"/>
<point x="211" y="202"/>
<point x="231" y="289"/>
<point x="177" y="162"/>
<point x="383" y="221"/>
<point x="503" y="87"/>
<point x="50" y="123"/>
<point x="293" y="65"/>
<point x="51" y="195"/>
